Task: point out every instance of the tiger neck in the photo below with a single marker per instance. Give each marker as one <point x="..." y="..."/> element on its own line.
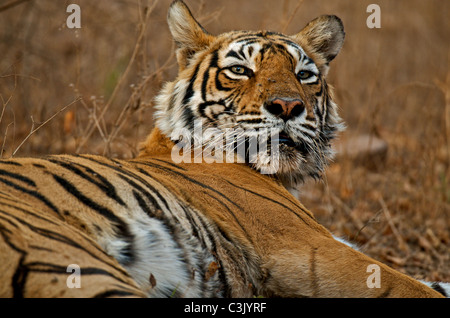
<point x="156" y="144"/>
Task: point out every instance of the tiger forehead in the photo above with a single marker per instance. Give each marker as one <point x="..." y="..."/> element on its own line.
<point x="246" y="45"/>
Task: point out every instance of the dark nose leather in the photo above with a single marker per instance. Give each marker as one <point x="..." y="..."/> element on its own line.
<point x="285" y="108"/>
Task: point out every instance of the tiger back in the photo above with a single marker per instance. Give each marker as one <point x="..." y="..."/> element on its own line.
<point x="156" y="229"/>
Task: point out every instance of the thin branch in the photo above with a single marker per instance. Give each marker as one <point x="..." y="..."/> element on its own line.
<point x="33" y="130"/>
<point x="4" y="139"/>
<point x="137" y="47"/>
<point x="289" y="20"/>
<point x="401" y="242"/>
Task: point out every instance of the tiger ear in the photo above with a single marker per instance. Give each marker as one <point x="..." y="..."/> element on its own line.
<point x="323" y="38"/>
<point x="188" y="34"/>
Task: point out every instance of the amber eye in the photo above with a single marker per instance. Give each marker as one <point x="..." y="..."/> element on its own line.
<point x="241" y="70"/>
<point x="302" y="75"/>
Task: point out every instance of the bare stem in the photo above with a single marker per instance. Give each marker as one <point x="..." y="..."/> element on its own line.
<point x="33" y="129"/>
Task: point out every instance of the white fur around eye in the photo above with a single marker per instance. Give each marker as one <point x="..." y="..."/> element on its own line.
<point x="309" y="80"/>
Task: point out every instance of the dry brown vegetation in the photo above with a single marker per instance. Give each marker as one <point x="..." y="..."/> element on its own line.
<point x="98" y="82"/>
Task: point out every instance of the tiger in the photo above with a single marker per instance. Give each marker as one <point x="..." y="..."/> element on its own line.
<point x="153" y="226"/>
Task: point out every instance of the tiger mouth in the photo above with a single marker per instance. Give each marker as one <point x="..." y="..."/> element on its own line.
<point x="286" y="140"/>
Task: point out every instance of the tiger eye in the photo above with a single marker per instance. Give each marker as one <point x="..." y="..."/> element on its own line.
<point x="238" y="70"/>
<point x="304" y="75"/>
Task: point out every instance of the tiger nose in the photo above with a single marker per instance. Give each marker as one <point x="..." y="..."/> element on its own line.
<point x="285" y="108"/>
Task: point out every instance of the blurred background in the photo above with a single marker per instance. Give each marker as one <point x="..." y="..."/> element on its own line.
<point x="91" y="90"/>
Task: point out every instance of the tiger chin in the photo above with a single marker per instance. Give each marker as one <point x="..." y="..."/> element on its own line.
<point x="254" y="81"/>
<point x="152" y="227"/>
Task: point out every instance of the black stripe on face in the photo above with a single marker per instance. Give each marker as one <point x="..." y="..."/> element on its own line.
<point x="241" y="52"/>
<point x="219" y="85"/>
<point x="214" y="59"/>
<point x="205" y="83"/>
<point x="250" y="51"/>
<point x="188" y="116"/>
<point x="307" y="60"/>
<point x="291" y="43"/>
<point x="250" y="121"/>
<point x="190" y="89"/>
<point x="203" y="106"/>
<point x="320" y="91"/>
<point x="235" y="55"/>
<point x="122" y="230"/>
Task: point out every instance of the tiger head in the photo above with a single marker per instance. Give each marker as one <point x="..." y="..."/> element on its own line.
<point x="251" y="81"/>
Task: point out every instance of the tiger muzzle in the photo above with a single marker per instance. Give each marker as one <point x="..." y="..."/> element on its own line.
<point x="285" y="108"/>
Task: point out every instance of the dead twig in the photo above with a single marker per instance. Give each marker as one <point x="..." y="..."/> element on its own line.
<point x="374" y="219"/>
<point x="33" y="129"/>
<point x="289" y="20"/>
<point x="121" y="81"/>
<point x="402" y="245"/>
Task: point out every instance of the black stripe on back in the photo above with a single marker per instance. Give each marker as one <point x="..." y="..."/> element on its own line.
<point x="153" y="165"/>
<point x="51" y="235"/>
<point x="12" y="163"/>
<point x="114" y="293"/>
<point x="274" y="201"/>
<point x="168" y="163"/>
<point x="148" y="194"/>
<point x="36" y="215"/>
<point x="121" y="227"/>
<point x="17" y="177"/>
<point x="19" y="278"/>
<point x="42" y="267"/>
<point x="102" y="183"/>
<point x="35" y="194"/>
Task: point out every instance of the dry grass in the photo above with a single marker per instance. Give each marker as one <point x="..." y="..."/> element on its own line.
<point x="393" y="82"/>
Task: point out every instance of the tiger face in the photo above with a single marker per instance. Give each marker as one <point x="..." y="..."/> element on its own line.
<point x="255" y="82"/>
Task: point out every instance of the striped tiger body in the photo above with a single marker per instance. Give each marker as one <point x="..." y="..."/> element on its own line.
<point x="103" y="208"/>
<point x="147" y="227"/>
<point x="154" y="227"/>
